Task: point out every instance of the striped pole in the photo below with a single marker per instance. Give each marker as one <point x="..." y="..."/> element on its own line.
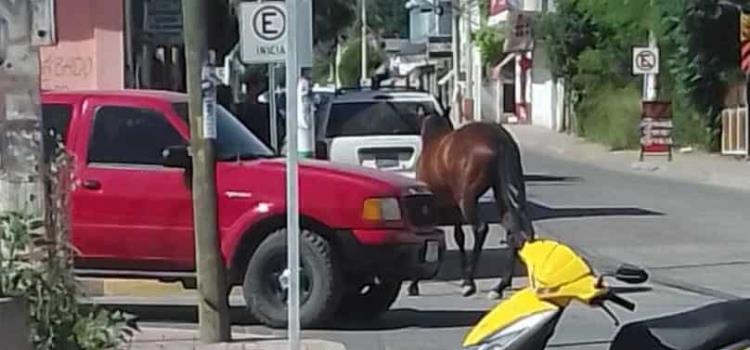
<point x="745" y="42"/>
<point x="745" y="60"/>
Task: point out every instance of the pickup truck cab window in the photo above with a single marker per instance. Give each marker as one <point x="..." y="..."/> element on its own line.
<point x="234" y="139"/>
<point x="127" y="135"/>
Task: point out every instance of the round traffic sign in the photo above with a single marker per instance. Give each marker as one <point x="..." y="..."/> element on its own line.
<point x="269" y="22"/>
<point x="645" y="60"/>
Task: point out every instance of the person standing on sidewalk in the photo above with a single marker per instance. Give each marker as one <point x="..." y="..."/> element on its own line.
<point x="306" y="124"/>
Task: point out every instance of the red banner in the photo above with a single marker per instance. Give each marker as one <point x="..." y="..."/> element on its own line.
<point x="745" y="42"/>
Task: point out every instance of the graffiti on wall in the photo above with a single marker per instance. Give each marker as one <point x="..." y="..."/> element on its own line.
<point x="64" y="72"/>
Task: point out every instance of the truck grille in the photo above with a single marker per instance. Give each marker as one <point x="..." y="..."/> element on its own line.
<point x="420" y="210"/>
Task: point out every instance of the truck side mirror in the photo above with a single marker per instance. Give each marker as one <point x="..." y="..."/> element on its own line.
<point x="177" y="157"/>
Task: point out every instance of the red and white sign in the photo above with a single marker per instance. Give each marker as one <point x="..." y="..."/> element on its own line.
<point x="656" y="128"/>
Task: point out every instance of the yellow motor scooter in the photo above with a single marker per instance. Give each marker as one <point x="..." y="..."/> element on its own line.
<point x="557" y="276"/>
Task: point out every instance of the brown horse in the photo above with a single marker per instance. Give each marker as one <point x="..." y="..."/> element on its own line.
<point x="459" y="166"/>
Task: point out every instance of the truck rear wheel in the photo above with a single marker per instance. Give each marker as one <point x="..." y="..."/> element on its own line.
<point x="266" y="280"/>
<point x="369" y="300"/>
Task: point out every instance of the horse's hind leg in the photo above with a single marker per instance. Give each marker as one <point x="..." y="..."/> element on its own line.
<point x="506" y="277"/>
<point x="507" y="203"/>
<point x="414" y="288"/>
<point x="469" y="209"/>
<point x="460" y="237"/>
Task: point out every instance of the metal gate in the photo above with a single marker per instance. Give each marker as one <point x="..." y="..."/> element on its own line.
<point x="734" y="131"/>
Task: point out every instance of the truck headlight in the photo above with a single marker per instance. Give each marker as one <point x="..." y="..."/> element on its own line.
<point x="381" y="209"/>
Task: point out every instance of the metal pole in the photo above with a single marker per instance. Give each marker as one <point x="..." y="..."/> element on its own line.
<point x="650" y="79"/>
<point x="292" y="219"/>
<point x="213" y="309"/>
<point x="131" y="78"/>
<point x="273" y="120"/>
<point x="456" y="60"/>
<point x="364" y="40"/>
<point x="468" y="54"/>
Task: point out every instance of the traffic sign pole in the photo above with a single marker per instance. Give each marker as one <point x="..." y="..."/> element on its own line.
<point x="273" y="119"/>
<point x="650" y="93"/>
<point x="293" y="229"/>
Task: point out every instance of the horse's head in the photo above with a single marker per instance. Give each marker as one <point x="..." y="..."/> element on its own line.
<point x="434" y="125"/>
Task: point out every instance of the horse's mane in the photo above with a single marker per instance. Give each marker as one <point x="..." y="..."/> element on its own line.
<point x="435" y="126"/>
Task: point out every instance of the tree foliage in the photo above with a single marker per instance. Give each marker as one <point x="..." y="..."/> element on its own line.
<point x="36" y="264"/>
<point x="350" y="69"/>
<point x="589" y="43"/>
<point x="388" y="17"/>
<point x="331" y="18"/>
<point x="489" y="40"/>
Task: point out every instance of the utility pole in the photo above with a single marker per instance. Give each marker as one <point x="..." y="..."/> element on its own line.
<point x="364" y="40"/>
<point x="650" y="89"/>
<point x="292" y="178"/>
<point x="468" y="51"/>
<point x="20" y="116"/>
<point x="456" y="46"/>
<point x="213" y="308"/>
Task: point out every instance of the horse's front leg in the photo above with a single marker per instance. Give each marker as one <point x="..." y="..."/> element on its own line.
<point x="460" y="237"/>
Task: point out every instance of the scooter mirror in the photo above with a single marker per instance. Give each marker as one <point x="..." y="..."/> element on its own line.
<point x="631" y="274"/>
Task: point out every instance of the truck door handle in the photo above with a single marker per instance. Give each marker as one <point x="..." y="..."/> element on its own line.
<point x="92" y="184"/>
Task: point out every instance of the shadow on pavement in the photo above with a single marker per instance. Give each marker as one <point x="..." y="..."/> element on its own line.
<point x="630" y="290"/>
<point x="394" y="319"/>
<point x="530" y="178"/>
<point x="491" y="265"/>
<point x="176" y="313"/>
<point x="489" y="213"/>
<point x="411" y="318"/>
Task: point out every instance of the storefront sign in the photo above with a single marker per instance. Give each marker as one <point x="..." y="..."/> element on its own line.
<point x="163" y="20"/>
<point x="520" y="32"/>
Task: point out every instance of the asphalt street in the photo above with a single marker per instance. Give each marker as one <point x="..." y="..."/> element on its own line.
<point x="692" y="238"/>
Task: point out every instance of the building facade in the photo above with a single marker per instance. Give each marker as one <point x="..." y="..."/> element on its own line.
<point x="89" y="51"/>
<point x="537" y="96"/>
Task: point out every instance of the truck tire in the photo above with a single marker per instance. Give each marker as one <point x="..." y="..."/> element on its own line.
<point x="320" y="281"/>
<point x="369" y="300"/>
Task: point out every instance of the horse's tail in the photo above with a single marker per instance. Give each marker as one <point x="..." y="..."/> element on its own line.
<point x="516" y="186"/>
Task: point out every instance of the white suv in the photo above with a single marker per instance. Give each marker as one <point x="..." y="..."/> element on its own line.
<point x="375" y="128"/>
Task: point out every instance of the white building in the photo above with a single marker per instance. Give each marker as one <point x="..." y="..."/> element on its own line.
<point x="537" y="97"/>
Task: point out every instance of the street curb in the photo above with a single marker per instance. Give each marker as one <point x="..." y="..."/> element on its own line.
<point x="695" y="168"/>
<point x="174" y="338"/>
<point x="94" y="287"/>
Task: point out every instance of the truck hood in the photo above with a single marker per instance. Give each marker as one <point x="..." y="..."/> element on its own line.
<point x="314" y="168"/>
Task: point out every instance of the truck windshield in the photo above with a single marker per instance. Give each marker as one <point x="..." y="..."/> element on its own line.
<point x="234" y="141"/>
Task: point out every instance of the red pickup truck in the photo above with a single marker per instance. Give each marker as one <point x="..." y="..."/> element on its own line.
<point x="364" y="231"/>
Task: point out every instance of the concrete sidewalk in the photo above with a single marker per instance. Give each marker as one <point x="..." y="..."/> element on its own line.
<point x="174" y="339"/>
<point x="696" y="167"/>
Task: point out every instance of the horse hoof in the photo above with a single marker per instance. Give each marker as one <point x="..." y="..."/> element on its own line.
<point x="494" y="295"/>
<point x="413" y="291"/>
<point x="468" y="291"/>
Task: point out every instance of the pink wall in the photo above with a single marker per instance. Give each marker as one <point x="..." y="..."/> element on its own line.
<point x="89" y="53"/>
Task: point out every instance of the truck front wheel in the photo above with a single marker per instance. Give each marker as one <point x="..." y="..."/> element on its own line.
<point x="266" y="280"/>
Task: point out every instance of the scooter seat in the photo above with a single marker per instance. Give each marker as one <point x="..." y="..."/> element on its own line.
<point x="710" y="327"/>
